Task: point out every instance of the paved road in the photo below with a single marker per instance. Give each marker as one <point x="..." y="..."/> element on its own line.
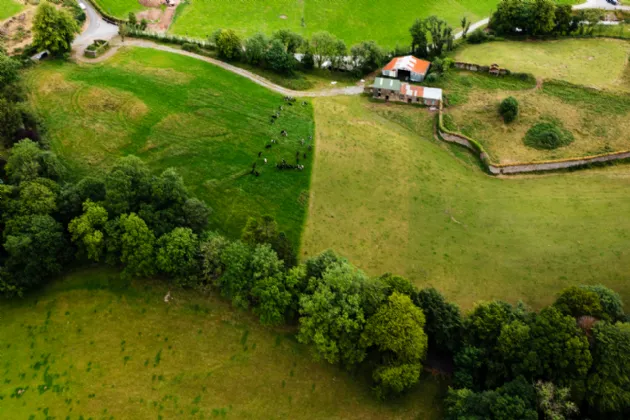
<point x="600" y="4"/>
<point x="97" y="27"/>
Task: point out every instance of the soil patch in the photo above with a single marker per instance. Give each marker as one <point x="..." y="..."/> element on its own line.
<point x="159" y="18"/>
<point x="15" y="32"/>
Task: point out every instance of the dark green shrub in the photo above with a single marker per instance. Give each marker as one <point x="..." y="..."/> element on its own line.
<point x="547" y="136"/>
<point x="191" y="47"/>
<point x="479" y="36"/>
<point x="509" y="109"/>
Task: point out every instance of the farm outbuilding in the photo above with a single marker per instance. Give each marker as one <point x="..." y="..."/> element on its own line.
<point x="407" y="68"/>
<point x="394" y="90"/>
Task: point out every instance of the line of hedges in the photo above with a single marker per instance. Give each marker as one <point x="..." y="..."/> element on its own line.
<point x="172" y="39"/>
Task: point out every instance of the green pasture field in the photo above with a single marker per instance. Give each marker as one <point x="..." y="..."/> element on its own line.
<point x="353" y="21"/>
<point x="120" y="8"/>
<point x="598" y="120"/>
<point x="596" y="62"/>
<point x="9" y="8"/>
<point x="389" y="197"/>
<point x="93" y="346"/>
<point x="175" y="111"/>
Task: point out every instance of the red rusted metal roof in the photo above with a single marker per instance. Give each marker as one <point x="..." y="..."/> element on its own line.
<point x="408" y="63"/>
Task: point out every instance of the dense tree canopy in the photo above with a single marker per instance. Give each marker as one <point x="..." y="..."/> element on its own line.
<point x="53" y="29"/>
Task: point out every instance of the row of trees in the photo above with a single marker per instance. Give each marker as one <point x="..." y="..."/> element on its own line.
<point x="514" y="363"/>
<point x="432" y="36"/>
<point x="278" y="52"/>
<point x="541" y="18"/>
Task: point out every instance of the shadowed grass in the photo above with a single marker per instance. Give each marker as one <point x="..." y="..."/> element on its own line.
<point x="92" y="345"/>
<point x="175" y="111"/>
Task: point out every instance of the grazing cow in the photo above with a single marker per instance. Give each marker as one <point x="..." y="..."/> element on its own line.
<point x="304" y="155"/>
<point x="302" y="142"/>
<point x="259" y="154"/>
<point x="297" y="160"/>
<point x="257" y="173"/>
<point x="268" y="146"/>
<point x="310" y="147"/>
<point x="254" y="165"/>
<point x="304" y="103"/>
<point x="265" y="161"/>
<point x="272" y="121"/>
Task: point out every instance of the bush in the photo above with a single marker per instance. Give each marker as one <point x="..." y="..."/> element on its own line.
<point x="187" y="46"/>
<point x="509" y="109"/>
<point x="479" y="36"/>
<point x="547" y="136"/>
<point x="433" y="77"/>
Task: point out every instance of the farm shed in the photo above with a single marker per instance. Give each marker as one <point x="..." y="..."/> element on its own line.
<point x="386" y="88"/>
<point x="407" y="68"/>
<point x="394" y="90"/>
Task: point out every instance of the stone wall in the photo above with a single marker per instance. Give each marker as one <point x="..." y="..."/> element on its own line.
<point x="525" y="167"/>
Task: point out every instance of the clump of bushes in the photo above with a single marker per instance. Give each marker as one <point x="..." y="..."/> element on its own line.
<point x="547" y="136"/>
<point x="188" y="46"/>
<point x="509" y="109"/>
<point x="479" y="36"/>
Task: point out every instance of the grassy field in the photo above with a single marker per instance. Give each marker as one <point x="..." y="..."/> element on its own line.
<point x="120" y="8"/>
<point x="598" y="120"/>
<point x="353" y="21"/>
<point x="592" y="62"/>
<point x="175" y="111"/>
<point x="9" y="8"/>
<point x="392" y="199"/>
<point x="92" y="346"/>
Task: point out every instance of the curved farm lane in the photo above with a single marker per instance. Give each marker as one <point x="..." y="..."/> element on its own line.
<point x="351" y="90"/>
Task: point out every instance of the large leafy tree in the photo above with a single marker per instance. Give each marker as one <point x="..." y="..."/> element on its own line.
<point x="137" y="246"/>
<point x="332" y="317"/>
<point x="396" y="330"/>
<point x="609" y="381"/>
<point x="10" y="121"/>
<point x="8" y="70"/>
<point x="88" y="230"/>
<point x="367" y="57"/>
<point x="36" y="198"/>
<point x="513" y="401"/>
<point x="444" y="320"/>
<point x="27" y="162"/>
<point x="291" y="40"/>
<point x="278" y="59"/>
<point x="177" y="255"/>
<point x="256" y="48"/>
<point x="228" y="44"/>
<point x="419" y="41"/>
<point x="237" y="278"/>
<point x="35" y="246"/>
<point x="561" y="349"/>
<point x="577" y="301"/>
<point x="323" y="45"/>
<point x="610" y="301"/>
<point x="53" y="29"/>
<point x="555" y="402"/>
<point x="127" y="185"/>
<point x="318" y="265"/>
<point x="269" y="292"/>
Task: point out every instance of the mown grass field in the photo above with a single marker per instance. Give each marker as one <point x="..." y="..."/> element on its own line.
<point x="353" y="21"/>
<point x="592" y="62"/>
<point x="175" y="111"/>
<point x="390" y="198"/>
<point x="93" y="346"/>
<point x="120" y="8"/>
<point x="9" y="8"/>
<point x="598" y="120"/>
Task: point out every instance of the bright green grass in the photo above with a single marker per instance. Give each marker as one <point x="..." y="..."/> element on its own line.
<point x="175" y="111"/>
<point x="592" y="62"/>
<point x="91" y="345"/>
<point x="352" y="20"/>
<point x="120" y="8"/>
<point x="9" y="8"/>
<point x="390" y="198"/>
